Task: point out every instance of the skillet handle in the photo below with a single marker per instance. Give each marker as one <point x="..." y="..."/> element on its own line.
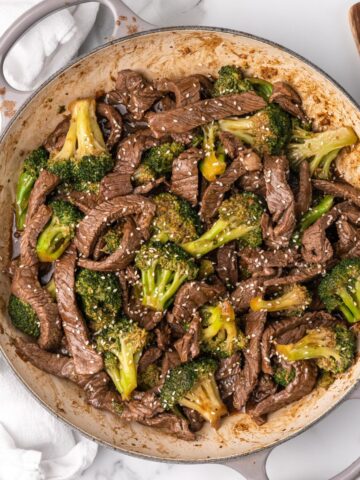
<point x="125" y="23"/>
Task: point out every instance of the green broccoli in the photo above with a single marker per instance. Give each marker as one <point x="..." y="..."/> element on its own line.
<point x="333" y="348"/>
<point x="239" y="219"/>
<point x="23" y="317"/>
<point x="268" y="131"/>
<point x="319" y="148"/>
<point x="59" y="232"/>
<point x="149" y="378"/>
<point x="83" y="157"/>
<point x="283" y="376"/>
<point x="220" y="335"/>
<point x="156" y="162"/>
<point x="230" y="80"/>
<point x="262" y="87"/>
<point x="99" y="297"/>
<point x="312" y="215"/>
<point x="112" y="238"/>
<point x="122" y="344"/>
<point x="340" y="289"/>
<point x="164" y="268"/>
<point x="32" y="166"/>
<point x="175" y="219"/>
<point x="294" y="300"/>
<point x="214" y="162"/>
<point x="206" y="268"/>
<point x="193" y="385"/>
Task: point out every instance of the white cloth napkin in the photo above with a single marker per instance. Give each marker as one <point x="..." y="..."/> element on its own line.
<point x="34" y="445"/>
<point x="48" y="46"/>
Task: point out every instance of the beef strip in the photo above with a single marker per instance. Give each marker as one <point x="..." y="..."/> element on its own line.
<point x="170" y="423"/>
<point x="142" y="405"/>
<point x="304" y="196"/>
<point x="170" y="360"/>
<point x="244" y="292"/>
<point x="278" y="229"/>
<point x="163" y="336"/>
<point x="115" y="184"/>
<point x="196" y="421"/>
<point x="56" y="139"/>
<point x="232" y="145"/>
<point x="82" y="200"/>
<point x="258" y="262"/>
<point x="186" y="118"/>
<point x="226" y="375"/>
<point x="135" y="92"/>
<point x="108" y="212"/>
<point x="184" y="176"/>
<point x="264" y="388"/>
<point x="247" y="161"/>
<point x="288" y="99"/>
<point x="227" y="264"/>
<point x="26" y="286"/>
<point x="303" y="384"/>
<point x="86" y="360"/>
<point x="114" y="123"/>
<point x="339" y="190"/>
<point x="348" y="245"/>
<point x="123" y="255"/>
<point x="148" y="187"/>
<point x="186" y="90"/>
<point x="247" y="379"/>
<point x="303" y="272"/>
<point x="151" y="355"/>
<point x="188" y="346"/>
<point x="280" y="327"/>
<point x="44" y="185"/>
<point x="253" y="182"/>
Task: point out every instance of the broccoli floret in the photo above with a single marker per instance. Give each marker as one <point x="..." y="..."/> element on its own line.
<point x="319" y="148"/>
<point x="333" y="348"/>
<point x="230" y="81"/>
<point x="206" y="268"/>
<point x="214" y="162"/>
<point x="283" y="376"/>
<point x="193" y="385"/>
<point x="99" y="297"/>
<point x="220" y="335"/>
<point x="164" y="268"/>
<point x="122" y="344"/>
<point x="149" y="378"/>
<point x="32" y="166"/>
<point x="59" y="232"/>
<point x="23" y="317"/>
<point x="294" y="300"/>
<point x="83" y="157"/>
<point x="112" y="238"/>
<point x="156" y="162"/>
<point x="340" y="289"/>
<point x="262" y="87"/>
<point x="239" y="219"/>
<point x="268" y="131"/>
<point x="312" y="215"/>
<point x="175" y="219"/>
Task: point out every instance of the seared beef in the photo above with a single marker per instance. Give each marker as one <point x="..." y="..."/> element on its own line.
<point x="115" y="184"/>
<point x="232" y="145"/>
<point x="247" y="161"/>
<point x="184" y="177"/>
<point x="253" y="182"/>
<point x="163" y="336"/>
<point x="258" y="262"/>
<point x="304" y="196"/>
<point x="227" y="373"/>
<point x="339" y="190"/>
<point x="196" y="421"/>
<point x="123" y="255"/>
<point x="143" y="405"/>
<point x="188" y="346"/>
<point x="100" y="394"/>
<point x="348" y="245"/>
<point x="82" y="200"/>
<point x="265" y="387"/>
<point x="87" y="361"/>
<point x="186" y="90"/>
<point x="246" y="380"/>
<point x="170" y="360"/>
<point x="170" y="423"/>
<point x="56" y="139"/>
<point x="186" y="118"/>
<point x="151" y="355"/>
<point x="108" y="212"/>
<point x="288" y="99"/>
<point x="44" y="185"/>
<point x="26" y="286"/>
<point x="148" y="187"/>
<point x="227" y="264"/>
<point x="303" y="272"/>
<point x="244" y="292"/>
<point x="114" y="123"/>
<point x="278" y="229"/>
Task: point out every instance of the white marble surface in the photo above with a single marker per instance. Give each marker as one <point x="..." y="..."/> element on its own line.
<point x="318" y="30"/>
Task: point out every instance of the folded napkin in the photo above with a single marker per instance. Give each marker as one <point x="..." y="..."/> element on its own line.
<point x="34" y="445"/>
<point x="49" y="46"/>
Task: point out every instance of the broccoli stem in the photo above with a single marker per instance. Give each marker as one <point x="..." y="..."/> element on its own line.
<point x="326" y="164"/>
<point x="312" y="215"/>
<point x="262" y="87"/>
<point x="350" y="309"/>
<point x="53" y="242"/>
<point x="128" y="373"/>
<point x="306" y="352"/>
<point x="89" y="136"/>
<point x="158" y="294"/>
<point x="23" y="191"/>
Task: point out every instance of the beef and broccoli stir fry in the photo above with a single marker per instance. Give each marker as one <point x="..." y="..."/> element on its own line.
<point x="189" y="248"/>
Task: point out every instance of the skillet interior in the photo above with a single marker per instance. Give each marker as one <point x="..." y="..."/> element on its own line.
<point x="165" y="53"/>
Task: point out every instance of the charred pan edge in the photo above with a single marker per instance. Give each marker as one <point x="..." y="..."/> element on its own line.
<point x="221" y="460"/>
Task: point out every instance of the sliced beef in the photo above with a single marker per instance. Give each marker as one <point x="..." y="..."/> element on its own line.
<point x="143" y="405"/>
<point x="247" y="379"/>
<point x="260" y="262"/>
<point x="114" y="123"/>
<point x="303" y="272"/>
<point x="188" y="346"/>
<point x="170" y="423"/>
<point x="148" y="187"/>
<point x="339" y="190"/>
<point x="348" y="245"/>
<point x="227" y="373"/>
<point x="184" y="176"/>
<point x="170" y="360"/>
<point x="196" y="421"/>
<point x="44" y="185"/>
<point x="186" y="118"/>
<point x="86" y="360"/>
<point x="186" y="90"/>
<point x="304" y="196"/>
<point x="247" y="161"/>
<point x="278" y="229"/>
<point x="244" y="292"/>
<point x="56" y="139"/>
<point x="82" y="200"/>
<point x="303" y="384"/>
<point x="232" y="145"/>
<point x="26" y="286"/>
<point x="253" y="182"/>
<point x="163" y="336"/>
<point x="151" y="355"/>
<point x="135" y="92"/>
<point x="101" y="395"/>
<point x="108" y="212"/>
<point x="264" y="388"/>
<point x="123" y="255"/>
<point x="227" y="264"/>
<point x="288" y="99"/>
<point x="115" y="184"/>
